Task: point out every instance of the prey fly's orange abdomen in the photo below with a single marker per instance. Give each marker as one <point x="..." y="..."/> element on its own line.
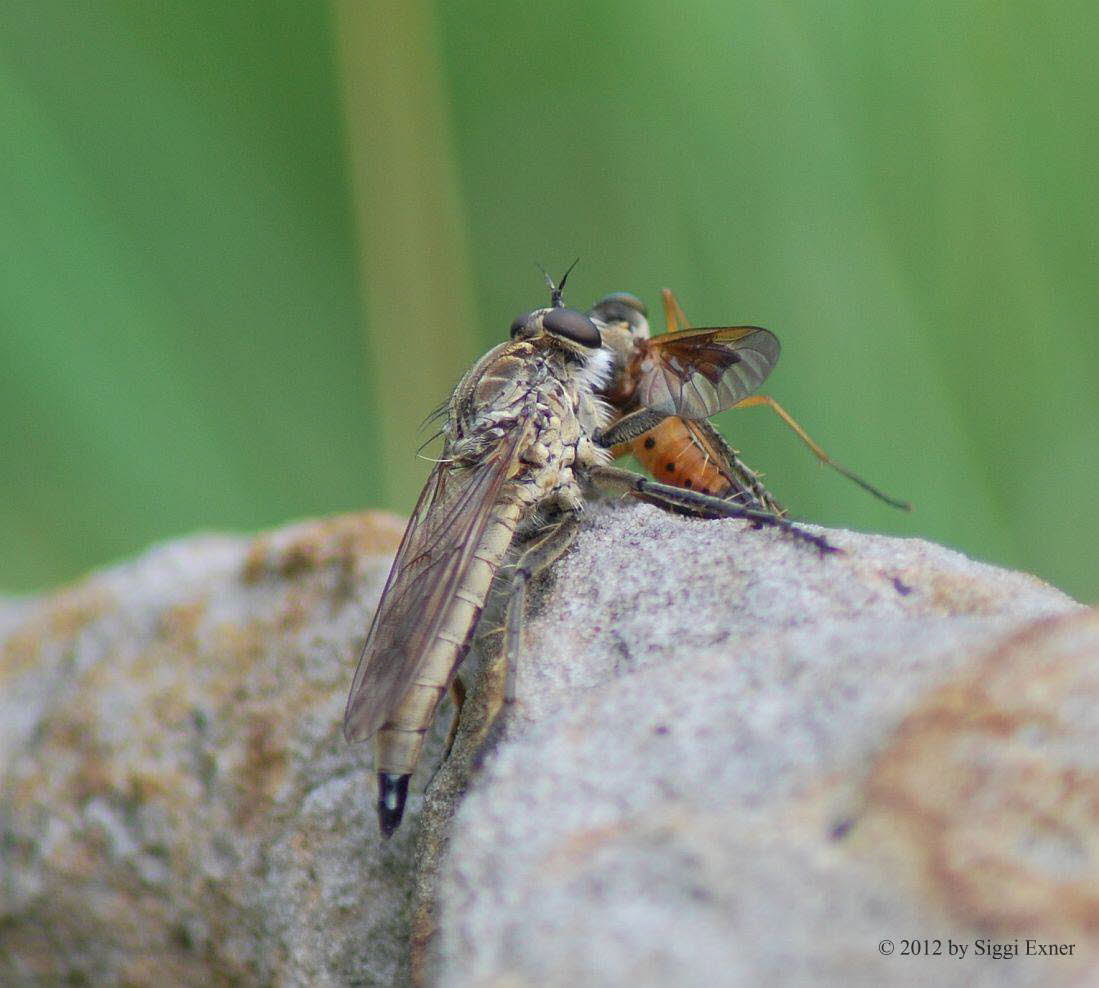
<point x="674" y="454"/>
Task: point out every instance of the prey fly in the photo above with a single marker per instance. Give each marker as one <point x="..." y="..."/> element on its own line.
<point x="684" y="450"/>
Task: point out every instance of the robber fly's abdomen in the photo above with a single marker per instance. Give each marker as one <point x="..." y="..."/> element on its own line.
<point x="400" y="739"/>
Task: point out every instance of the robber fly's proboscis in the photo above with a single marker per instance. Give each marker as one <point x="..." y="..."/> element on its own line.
<point x="528" y="438"/>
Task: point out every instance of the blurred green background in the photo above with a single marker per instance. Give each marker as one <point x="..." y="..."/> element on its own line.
<point x="246" y="248"/>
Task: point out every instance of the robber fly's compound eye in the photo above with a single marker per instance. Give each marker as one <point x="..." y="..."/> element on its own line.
<point x="523" y="326"/>
<point x="572" y="325"/>
<point x="620" y="307"/>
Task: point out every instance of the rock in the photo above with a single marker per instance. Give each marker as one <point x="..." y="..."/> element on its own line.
<point x="990" y="787"/>
<point x="178" y="803"/>
<point x="735" y="762"/>
<point x="731" y="761"/>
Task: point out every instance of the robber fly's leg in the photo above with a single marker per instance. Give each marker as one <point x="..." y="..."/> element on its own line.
<point x="629" y="427"/>
<point x="457" y="692"/>
<point x="542" y="550"/>
<point x="754" y="401"/>
<point x="535" y="553"/>
<point x="612" y="480"/>
<point x="746" y="487"/>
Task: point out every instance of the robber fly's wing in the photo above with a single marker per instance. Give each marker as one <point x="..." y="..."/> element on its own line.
<point x="433" y="559"/>
<point x="697" y="372"/>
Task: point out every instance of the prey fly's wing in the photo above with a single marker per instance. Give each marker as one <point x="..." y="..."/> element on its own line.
<point x="698" y="372"/>
<point x="434" y="558"/>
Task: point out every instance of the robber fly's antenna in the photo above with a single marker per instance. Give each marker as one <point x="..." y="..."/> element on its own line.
<point x="558" y="290"/>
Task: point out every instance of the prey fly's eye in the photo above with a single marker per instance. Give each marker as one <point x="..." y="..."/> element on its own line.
<point x="623" y="299"/>
<point x="522" y="325"/>
<point x="572" y="325"/>
<point x="620" y="307"/>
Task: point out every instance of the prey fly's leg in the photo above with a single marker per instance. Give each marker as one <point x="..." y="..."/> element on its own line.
<point x="674" y="317"/>
<point x="612" y="480"/>
<point x="754" y="401"/>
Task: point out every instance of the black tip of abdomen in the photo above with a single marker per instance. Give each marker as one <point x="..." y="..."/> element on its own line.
<point x="392" y="793"/>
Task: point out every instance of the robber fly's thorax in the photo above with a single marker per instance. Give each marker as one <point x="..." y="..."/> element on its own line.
<point x="546" y="390"/>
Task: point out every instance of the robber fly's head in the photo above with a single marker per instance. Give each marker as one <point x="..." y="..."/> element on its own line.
<point x="567" y="327"/>
<point x="625" y="310"/>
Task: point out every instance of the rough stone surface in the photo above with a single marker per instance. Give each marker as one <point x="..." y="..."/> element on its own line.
<point x="177" y="804"/>
<point x="731" y="762"/>
<point x="734" y="762"/>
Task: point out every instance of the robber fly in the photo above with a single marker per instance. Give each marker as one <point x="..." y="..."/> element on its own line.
<point x="525" y="443"/>
<point x="684" y="450"/>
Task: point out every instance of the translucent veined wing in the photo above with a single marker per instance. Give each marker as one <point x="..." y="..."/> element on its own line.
<point x="433" y="559"/>
<point x="698" y="372"/>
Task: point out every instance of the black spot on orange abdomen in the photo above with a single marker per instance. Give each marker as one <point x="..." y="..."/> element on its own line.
<point x="671" y="455"/>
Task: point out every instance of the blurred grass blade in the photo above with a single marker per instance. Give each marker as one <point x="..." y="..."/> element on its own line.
<point x="413" y="250"/>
